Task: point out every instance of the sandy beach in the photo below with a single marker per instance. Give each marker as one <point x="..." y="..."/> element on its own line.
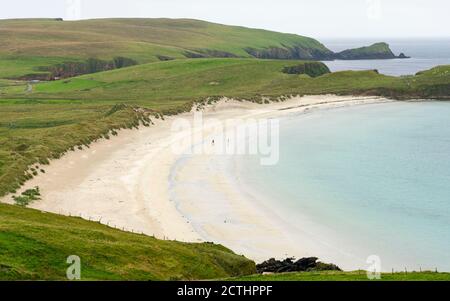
<point x="127" y="182"/>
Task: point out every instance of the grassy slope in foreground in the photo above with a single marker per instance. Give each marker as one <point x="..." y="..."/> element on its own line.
<point x="346" y="276"/>
<point x="60" y="115"/>
<point x="35" y="245"/>
<point x="28" y="44"/>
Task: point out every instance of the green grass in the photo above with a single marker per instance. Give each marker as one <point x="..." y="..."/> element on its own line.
<point x="28" y="196"/>
<point x="346" y="276"/>
<point x="35" y="246"/>
<point x="190" y="79"/>
<point x="30" y="43"/>
<point x="34" y="131"/>
<point x="60" y="115"/>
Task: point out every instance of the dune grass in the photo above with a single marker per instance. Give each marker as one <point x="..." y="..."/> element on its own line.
<point x="35" y="246"/>
<point x="31" y="132"/>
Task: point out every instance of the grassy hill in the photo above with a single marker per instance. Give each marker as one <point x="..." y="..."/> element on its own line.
<point x="35" y="246"/>
<point x="169" y="83"/>
<point x="57" y="116"/>
<point x="346" y="276"/>
<point x="28" y="44"/>
<point x="51" y="48"/>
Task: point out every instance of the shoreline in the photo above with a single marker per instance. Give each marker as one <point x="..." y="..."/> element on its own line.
<point x="124" y="182"/>
<point x="225" y="210"/>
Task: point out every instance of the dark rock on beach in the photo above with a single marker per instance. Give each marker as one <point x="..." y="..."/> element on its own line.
<point x="290" y="265"/>
<point x="312" y="69"/>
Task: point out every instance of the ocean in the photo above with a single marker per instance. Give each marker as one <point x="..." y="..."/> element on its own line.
<point x="424" y="53"/>
<point x="366" y="180"/>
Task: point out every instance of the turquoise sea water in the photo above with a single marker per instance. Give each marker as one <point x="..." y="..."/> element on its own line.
<point x="370" y="180"/>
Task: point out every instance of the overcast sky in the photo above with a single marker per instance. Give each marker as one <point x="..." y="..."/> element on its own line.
<point x="316" y="18"/>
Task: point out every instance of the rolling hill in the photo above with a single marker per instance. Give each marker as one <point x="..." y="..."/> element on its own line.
<point x="28" y="44"/>
<point x="52" y="48"/>
<point x="35" y="245"/>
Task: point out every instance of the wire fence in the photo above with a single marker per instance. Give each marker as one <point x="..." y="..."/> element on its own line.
<point x="115" y="225"/>
<point x="112" y="225"/>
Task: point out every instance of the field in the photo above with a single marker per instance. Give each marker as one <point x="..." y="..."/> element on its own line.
<point x="35" y="246"/>
<point x="31" y="43"/>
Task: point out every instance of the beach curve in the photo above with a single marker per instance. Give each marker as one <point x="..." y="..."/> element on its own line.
<point x="124" y="182"/>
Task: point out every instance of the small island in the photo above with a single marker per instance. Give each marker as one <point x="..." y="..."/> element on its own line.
<point x="378" y="51"/>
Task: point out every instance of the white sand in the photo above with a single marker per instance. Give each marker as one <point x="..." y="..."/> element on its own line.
<point x="125" y="182"/>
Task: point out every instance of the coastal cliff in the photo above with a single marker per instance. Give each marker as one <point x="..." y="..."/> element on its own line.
<point x="376" y="51"/>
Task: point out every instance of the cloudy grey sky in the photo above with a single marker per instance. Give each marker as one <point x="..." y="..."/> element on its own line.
<point x="316" y="18"/>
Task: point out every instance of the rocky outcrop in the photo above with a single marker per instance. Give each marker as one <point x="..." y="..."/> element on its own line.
<point x="71" y="69"/>
<point x="403" y="56"/>
<point x="375" y="51"/>
<point x="164" y="58"/>
<point x="291" y="53"/>
<point x="312" y="69"/>
<point x="289" y="265"/>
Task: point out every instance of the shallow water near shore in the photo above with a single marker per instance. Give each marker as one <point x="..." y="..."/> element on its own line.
<point x="363" y="180"/>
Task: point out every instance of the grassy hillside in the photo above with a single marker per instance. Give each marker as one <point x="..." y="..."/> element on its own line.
<point x="35" y="245"/>
<point x="346" y="276"/>
<point x="187" y="80"/>
<point x="28" y="44"/>
<point x="56" y="116"/>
